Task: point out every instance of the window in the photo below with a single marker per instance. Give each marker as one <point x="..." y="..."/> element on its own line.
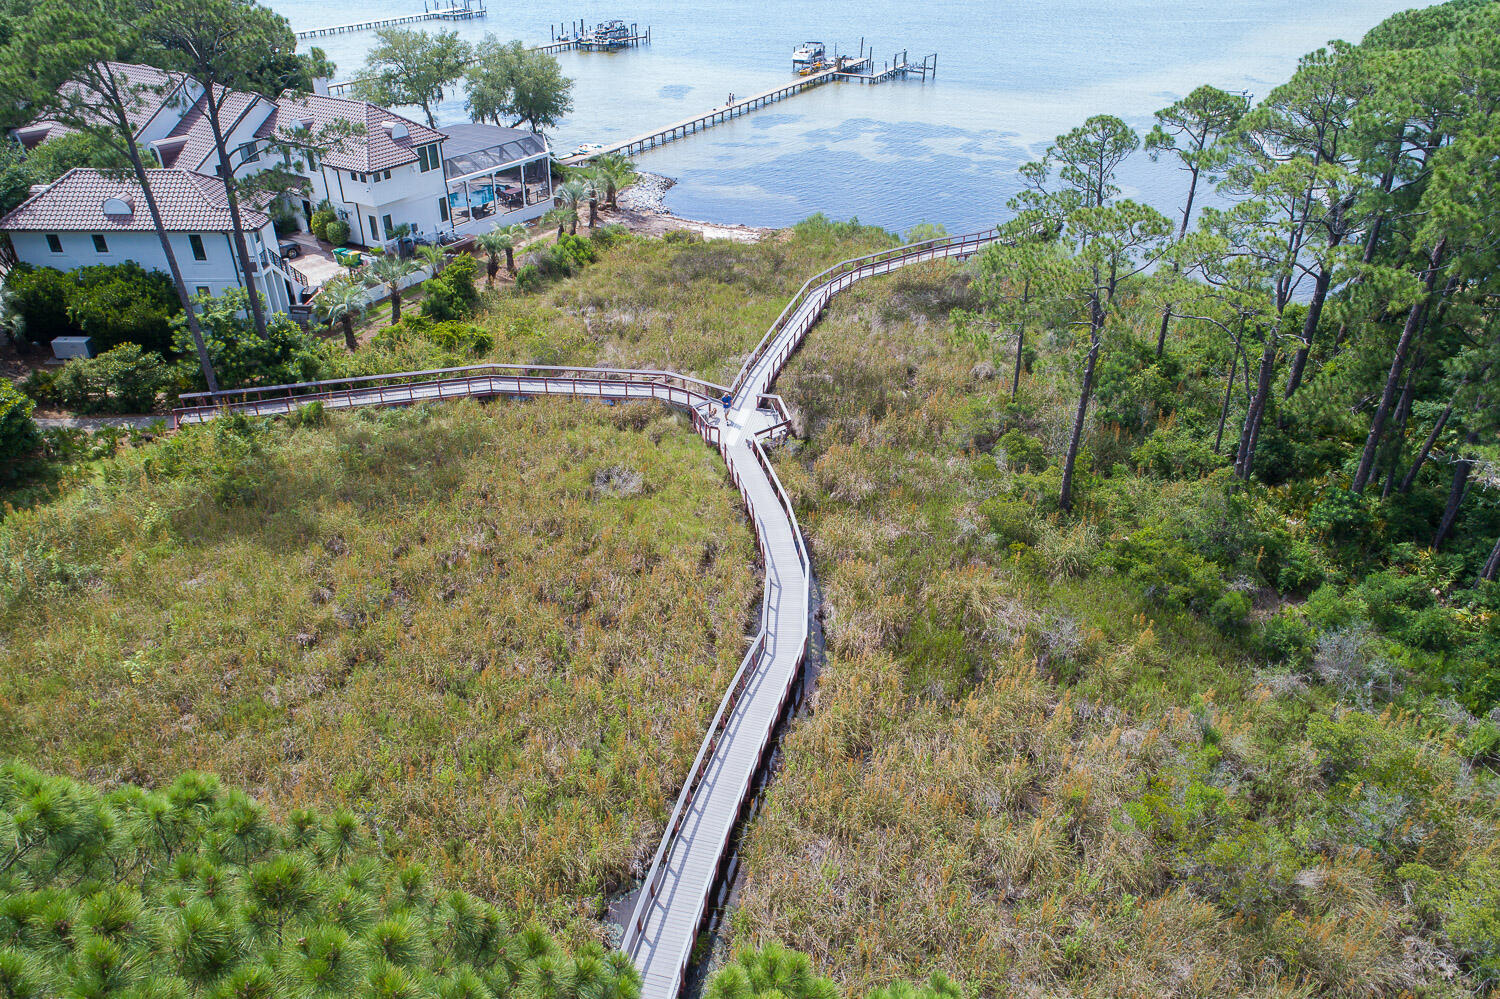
<point x="388" y="226"/>
<point x="249" y="153"/>
<point x="427" y="158"/>
<point x="443" y="209"/>
<point x="53" y="243"/>
<point x="100" y="246"/>
<point x="386" y="175"/>
<point x="202" y="291"/>
<point x="353" y="175"/>
<point x="312" y="161"/>
<point x="374" y="229"/>
<point x="196" y="242"/>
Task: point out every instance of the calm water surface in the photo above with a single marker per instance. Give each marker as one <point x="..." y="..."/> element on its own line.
<point x="1010" y="77"/>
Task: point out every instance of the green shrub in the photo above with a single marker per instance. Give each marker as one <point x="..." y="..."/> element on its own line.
<point x="124" y="303"/>
<point x="112" y="303"/>
<point x="1174" y="453"/>
<point x="1286" y="638"/>
<point x="287" y="353"/>
<point x="1342" y="516"/>
<point x="1012" y="520"/>
<point x="607" y="236"/>
<point x="1022" y="452"/>
<point x="528" y="278"/>
<point x="321" y="216"/>
<point x="123" y="380"/>
<point x="1169" y="571"/>
<point x="19" y="438"/>
<point x="681" y="236"/>
<point x="452" y="294"/>
<point x="40" y="296"/>
<point x="337" y="232"/>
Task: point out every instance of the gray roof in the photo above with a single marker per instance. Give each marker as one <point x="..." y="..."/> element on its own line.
<point x="473" y="148"/>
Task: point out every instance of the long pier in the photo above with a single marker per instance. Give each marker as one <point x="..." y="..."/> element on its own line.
<point x="455" y="13"/>
<point x="717" y="116"/>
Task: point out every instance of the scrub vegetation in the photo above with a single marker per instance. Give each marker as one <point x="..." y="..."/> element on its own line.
<point x="494" y="634"/>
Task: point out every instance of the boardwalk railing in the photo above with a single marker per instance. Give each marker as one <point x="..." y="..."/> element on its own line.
<point x="476" y="380"/>
<point x="821" y="287"/>
<point x="651" y="884"/>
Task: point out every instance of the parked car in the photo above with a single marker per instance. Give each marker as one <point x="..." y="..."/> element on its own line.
<point x="289" y="249"/>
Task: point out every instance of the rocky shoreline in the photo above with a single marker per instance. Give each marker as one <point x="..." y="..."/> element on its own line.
<point x="648" y="194"/>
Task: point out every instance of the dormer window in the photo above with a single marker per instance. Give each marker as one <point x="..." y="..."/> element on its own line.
<point x="396" y="129"/>
<point x="249" y="153"/>
<point x="118" y="207"/>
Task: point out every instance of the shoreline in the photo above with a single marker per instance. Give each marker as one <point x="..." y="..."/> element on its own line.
<point x="642" y="207"/>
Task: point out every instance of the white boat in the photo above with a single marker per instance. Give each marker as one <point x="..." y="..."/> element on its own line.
<point x="808" y="58"/>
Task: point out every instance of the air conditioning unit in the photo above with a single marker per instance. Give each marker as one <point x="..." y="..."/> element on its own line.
<point x="66" y="348"/>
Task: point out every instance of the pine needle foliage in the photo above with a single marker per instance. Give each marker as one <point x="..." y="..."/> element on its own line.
<point x="194" y="890"/>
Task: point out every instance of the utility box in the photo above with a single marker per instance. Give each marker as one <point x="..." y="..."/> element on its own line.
<point x="66" y="348"/>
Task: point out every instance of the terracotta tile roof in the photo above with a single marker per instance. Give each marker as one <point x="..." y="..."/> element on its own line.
<point x="189" y="202"/>
<point x="191" y="143"/>
<point x="143" y="110"/>
<point x="377" y="149"/>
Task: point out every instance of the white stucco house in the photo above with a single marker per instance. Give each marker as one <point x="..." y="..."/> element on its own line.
<point x="389" y="172"/>
<point x="87" y="218"/>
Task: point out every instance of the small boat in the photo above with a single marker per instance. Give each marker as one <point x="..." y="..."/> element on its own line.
<point x="809" y="57"/>
<point x="588" y="148"/>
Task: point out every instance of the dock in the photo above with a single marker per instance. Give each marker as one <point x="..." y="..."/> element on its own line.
<point x="900" y="66"/>
<point x="581" y="37"/>
<point x="717" y="116"/>
<point x="638" y="36"/>
<point x="468" y="12"/>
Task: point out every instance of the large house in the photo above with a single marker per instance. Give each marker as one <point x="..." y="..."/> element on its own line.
<point x="388" y="175"/>
<point x="87" y="218"/>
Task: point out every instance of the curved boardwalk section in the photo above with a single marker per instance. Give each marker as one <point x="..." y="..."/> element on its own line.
<point x="664" y="926"/>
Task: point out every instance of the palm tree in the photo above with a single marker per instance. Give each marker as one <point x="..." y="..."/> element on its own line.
<point x="434" y="257"/>
<point x="562" y="216"/>
<point x="615" y="172"/>
<point x="497" y="241"/>
<point x="595" y="186"/>
<point x="390" y="271"/>
<point x="570" y="197"/>
<point x="342" y="302"/>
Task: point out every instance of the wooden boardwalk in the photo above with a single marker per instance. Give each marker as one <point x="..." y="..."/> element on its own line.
<point x="436" y="14"/>
<point x="674" y="898"/>
<point x="708" y="119"/>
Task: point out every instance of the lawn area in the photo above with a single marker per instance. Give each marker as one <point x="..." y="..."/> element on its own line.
<point x="495" y="632"/>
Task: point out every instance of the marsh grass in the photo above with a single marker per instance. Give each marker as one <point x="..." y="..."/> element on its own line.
<point x="432" y="617"/>
<point x="1028" y="772"/>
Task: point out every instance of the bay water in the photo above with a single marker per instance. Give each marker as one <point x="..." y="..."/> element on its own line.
<point x="1011" y="76"/>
